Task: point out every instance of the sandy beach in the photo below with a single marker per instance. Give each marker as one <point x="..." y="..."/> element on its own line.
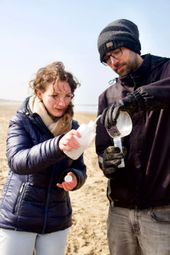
<point x="88" y="233"/>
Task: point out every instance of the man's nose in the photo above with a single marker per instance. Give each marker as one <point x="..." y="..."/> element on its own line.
<point x="113" y="61"/>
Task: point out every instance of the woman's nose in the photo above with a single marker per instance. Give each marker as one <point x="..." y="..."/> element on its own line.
<point x="61" y="101"/>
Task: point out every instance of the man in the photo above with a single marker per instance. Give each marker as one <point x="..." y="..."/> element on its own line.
<point x="139" y="193"/>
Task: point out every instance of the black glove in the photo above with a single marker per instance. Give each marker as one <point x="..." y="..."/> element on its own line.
<point x="111" y="160"/>
<point x="131" y="103"/>
<point x="110" y="115"/>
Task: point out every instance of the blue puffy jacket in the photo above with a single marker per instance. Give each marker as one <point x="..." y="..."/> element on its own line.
<point x="31" y="201"/>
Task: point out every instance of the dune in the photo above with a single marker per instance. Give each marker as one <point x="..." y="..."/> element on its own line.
<point x="87" y="236"/>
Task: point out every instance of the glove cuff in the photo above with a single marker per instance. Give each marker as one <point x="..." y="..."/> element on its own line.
<point x="132" y="103"/>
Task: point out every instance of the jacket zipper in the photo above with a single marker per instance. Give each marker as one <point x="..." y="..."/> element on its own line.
<point x="21" y="194"/>
<point x="47" y="203"/>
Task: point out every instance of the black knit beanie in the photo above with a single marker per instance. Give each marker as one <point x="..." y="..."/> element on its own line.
<point x="119" y="33"/>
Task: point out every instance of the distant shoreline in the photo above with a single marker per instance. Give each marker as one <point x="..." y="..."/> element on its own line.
<point x="79" y="108"/>
<point x="10" y="102"/>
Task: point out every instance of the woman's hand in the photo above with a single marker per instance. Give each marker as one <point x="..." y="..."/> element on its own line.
<point x="67" y="186"/>
<point x="69" y="141"/>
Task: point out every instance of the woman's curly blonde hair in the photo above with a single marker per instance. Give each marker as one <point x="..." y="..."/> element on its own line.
<point x="51" y="74"/>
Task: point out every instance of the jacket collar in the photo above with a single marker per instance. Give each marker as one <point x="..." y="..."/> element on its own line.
<point x="140" y="76"/>
<point x="137" y="78"/>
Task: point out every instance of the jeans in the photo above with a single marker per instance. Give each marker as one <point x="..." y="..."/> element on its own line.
<point x="139" y="232"/>
<point x="24" y="243"/>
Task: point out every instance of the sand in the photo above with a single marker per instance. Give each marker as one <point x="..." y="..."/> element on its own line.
<point x="87" y="235"/>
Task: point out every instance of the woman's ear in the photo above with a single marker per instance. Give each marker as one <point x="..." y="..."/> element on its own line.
<point x="39" y="94"/>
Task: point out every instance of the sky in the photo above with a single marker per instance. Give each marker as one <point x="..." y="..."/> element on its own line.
<point x="35" y="33"/>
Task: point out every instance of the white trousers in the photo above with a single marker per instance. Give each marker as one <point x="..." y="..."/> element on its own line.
<point x="25" y="243"/>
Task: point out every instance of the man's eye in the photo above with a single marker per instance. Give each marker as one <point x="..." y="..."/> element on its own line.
<point x="107" y="58"/>
<point x="116" y="51"/>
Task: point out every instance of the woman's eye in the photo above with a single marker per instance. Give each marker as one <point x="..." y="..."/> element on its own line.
<point x="68" y="96"/>
<point x="54" y="96"/>
<point x="58" y="97"/>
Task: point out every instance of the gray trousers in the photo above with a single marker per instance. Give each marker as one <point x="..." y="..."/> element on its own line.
<point x="139" y="232"/>
<point x="27" y="243"/>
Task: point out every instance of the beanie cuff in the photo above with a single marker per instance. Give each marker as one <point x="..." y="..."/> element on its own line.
<point x="113" y="45"/>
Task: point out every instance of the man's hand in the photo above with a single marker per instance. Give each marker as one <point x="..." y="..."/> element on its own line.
<point x="111" y="160"/>
<point x="132" y="103"/>
<point x="110" y="115"/>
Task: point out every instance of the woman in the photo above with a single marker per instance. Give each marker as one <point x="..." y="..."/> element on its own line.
<point x="35" y="211"/>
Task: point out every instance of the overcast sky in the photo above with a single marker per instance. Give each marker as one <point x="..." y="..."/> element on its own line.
<point x="35" y="33"/>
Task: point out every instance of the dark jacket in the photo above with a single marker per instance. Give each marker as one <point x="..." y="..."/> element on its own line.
<point x="145" y="180"/>
<point x="31" y="200"/>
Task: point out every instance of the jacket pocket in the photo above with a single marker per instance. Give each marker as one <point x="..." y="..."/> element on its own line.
<point x="161" y="215"/>
<point x="19" y="198"/>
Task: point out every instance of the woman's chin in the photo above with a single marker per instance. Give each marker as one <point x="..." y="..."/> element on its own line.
<point x="58" y="113"/>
